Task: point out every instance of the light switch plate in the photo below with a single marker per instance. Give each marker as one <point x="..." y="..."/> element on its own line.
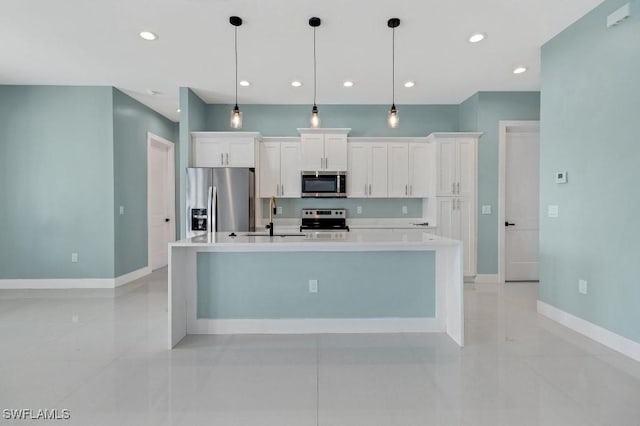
<point x="404" y="210"/>
<point x="74" y="257"/>
<point x="313" y="286"/>
<point x="279" y="209"/>
<point x="561" y="177"/>
<point x="121" y="209"/>
<point x="552" y="211"/>
<point x="359" y="209"/>
<point x="486" y="209"/>
<point x="582" y="286"/>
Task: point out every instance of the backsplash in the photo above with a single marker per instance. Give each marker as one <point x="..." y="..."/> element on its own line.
<point x="371" y="207"/>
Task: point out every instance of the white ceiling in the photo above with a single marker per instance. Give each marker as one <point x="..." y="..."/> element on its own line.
<point x="81" y="42"/>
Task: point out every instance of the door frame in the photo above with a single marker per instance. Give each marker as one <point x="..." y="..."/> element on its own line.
<point x="151" y="139"/>
<point x="506" y="126"/>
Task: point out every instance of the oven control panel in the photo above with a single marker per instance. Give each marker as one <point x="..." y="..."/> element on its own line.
<point x="324" y="213"/>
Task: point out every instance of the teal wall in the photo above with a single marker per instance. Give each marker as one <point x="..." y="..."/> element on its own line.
<point x="371" y="207"/>
<point x="275" y="285"/>
<point x="468" y="114"/>
<point x="492" y="107"/>
<point x="56" y="182"/>
<point x="131" y="123"/>
<point x="364" y="120"/>
<point x="193" y="118"/>
<point x="590" y="110"/>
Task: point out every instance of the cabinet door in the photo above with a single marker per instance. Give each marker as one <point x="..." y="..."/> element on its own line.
<point x="466" y="167"/>
<point x="209" y="152"/>
<point x="378" y="170"/>
<point x="446" y="220"/>
<point x="241" y="153"/>
<point x="312" y="152"/>
<point x="290" y="169"/>
<point x="357" y="182"/>
<point x="446" y="155"/>
<point x="335" y="152"/>
<point x="269" y="169"/>
<point x="465" y="213"/>
<point x="420" y="170"/>
<point x="398" y="163"/>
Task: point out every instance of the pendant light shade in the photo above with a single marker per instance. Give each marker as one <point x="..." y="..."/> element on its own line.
<point x="393" y="119"/>
<point x="236" y="114"/>
<point x="315" y="117"/>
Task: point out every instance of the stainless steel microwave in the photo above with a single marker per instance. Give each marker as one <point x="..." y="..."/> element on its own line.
<point x="324" y="184"/>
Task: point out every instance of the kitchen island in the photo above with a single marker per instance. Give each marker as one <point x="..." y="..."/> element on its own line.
<point x="319" y="282"/>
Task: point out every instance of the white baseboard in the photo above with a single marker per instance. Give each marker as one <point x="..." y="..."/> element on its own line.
<point x="131" y="276"/>
<point x="487" y="279"/>
<point x="320" y="325"/>
<point x="70" y="283"/>
<point x="601" y="335"/>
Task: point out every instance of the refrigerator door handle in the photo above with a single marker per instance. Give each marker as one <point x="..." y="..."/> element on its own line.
<point x="211" y="205"/>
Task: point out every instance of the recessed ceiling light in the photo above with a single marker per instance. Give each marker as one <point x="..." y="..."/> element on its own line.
<point x="153" y="92"/>
<point x="348" y="84"/>
<point x="519" y="70"/>
<point x="296" y="83"/>
<point x="178" y="110"/>
<point x="148" y="35"/>
<point x="409" y="84"/>
<point x="474" y="38"/>
<point x="245" y="83"/>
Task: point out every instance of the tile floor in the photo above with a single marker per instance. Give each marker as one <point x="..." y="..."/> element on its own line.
<point x="101" y="354"/>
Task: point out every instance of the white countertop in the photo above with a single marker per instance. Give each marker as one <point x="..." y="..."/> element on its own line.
<point x="356" y="240"/>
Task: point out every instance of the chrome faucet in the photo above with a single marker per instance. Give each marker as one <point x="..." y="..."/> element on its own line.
<point x="272" y="211"/>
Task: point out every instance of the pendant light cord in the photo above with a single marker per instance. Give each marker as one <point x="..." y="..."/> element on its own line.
<point x="393" y="66"/>
<point x="315" y="78"/>
<point x="236" y="51"/>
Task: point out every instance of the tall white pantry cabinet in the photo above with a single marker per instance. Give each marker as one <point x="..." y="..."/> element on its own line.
<point x="456" y="191"/>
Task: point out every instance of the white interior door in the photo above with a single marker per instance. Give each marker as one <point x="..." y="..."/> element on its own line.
<point x="161" y="200"/>
<point x="521" y="205"/>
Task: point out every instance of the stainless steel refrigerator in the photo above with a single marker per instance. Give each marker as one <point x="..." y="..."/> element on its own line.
<point x="220" y="200"/>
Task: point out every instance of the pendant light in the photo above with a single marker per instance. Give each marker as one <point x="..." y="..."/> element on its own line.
<point x="236" y="114"/>
<point x="315" y="118"/>
<point x="393" y="119"/>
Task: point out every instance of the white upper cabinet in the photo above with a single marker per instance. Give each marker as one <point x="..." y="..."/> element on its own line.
<point x="367" y="171"/>
<point x="279" y="169"/>
<point x="411" y="170"/>
<point x="224" y="149"/>
<point x="456" y="158"/>
<point x="323" y="149"/>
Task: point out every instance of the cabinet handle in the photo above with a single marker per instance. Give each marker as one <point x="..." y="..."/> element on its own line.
<point x="281" y="189"/>
<point x="410" y="189"/>
<point x="369" y="189"/>
<point x="406" y="190"/>
<point x="453" y="187"/>
<point x="458" y="188"/>
<point x="221" y="159"/>
<point x="365" y="189"/>
<point x="227" y="155"/>
<point x="277" y="189"/>
<point x="326" y="163"/>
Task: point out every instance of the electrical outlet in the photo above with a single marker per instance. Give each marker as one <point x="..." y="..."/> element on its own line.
<point x="121" y="209"/>
<point x="279" y="210"/>
<point x="359" y="209"/>
<point x="582" y="286"/>
<point x="405" y="210"/>
<point x="74" y="257"/>
<point x="552" y="211"/>
<point x="486" y="209"/>
<point x="313" y="286"/>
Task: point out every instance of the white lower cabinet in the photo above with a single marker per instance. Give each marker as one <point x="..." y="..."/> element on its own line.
<point x="279" y="169"/>
<point x="367" y="167"/>
<point x="457" y="221"/>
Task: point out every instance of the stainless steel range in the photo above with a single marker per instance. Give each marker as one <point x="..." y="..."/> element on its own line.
<point x="324" y="220"/>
